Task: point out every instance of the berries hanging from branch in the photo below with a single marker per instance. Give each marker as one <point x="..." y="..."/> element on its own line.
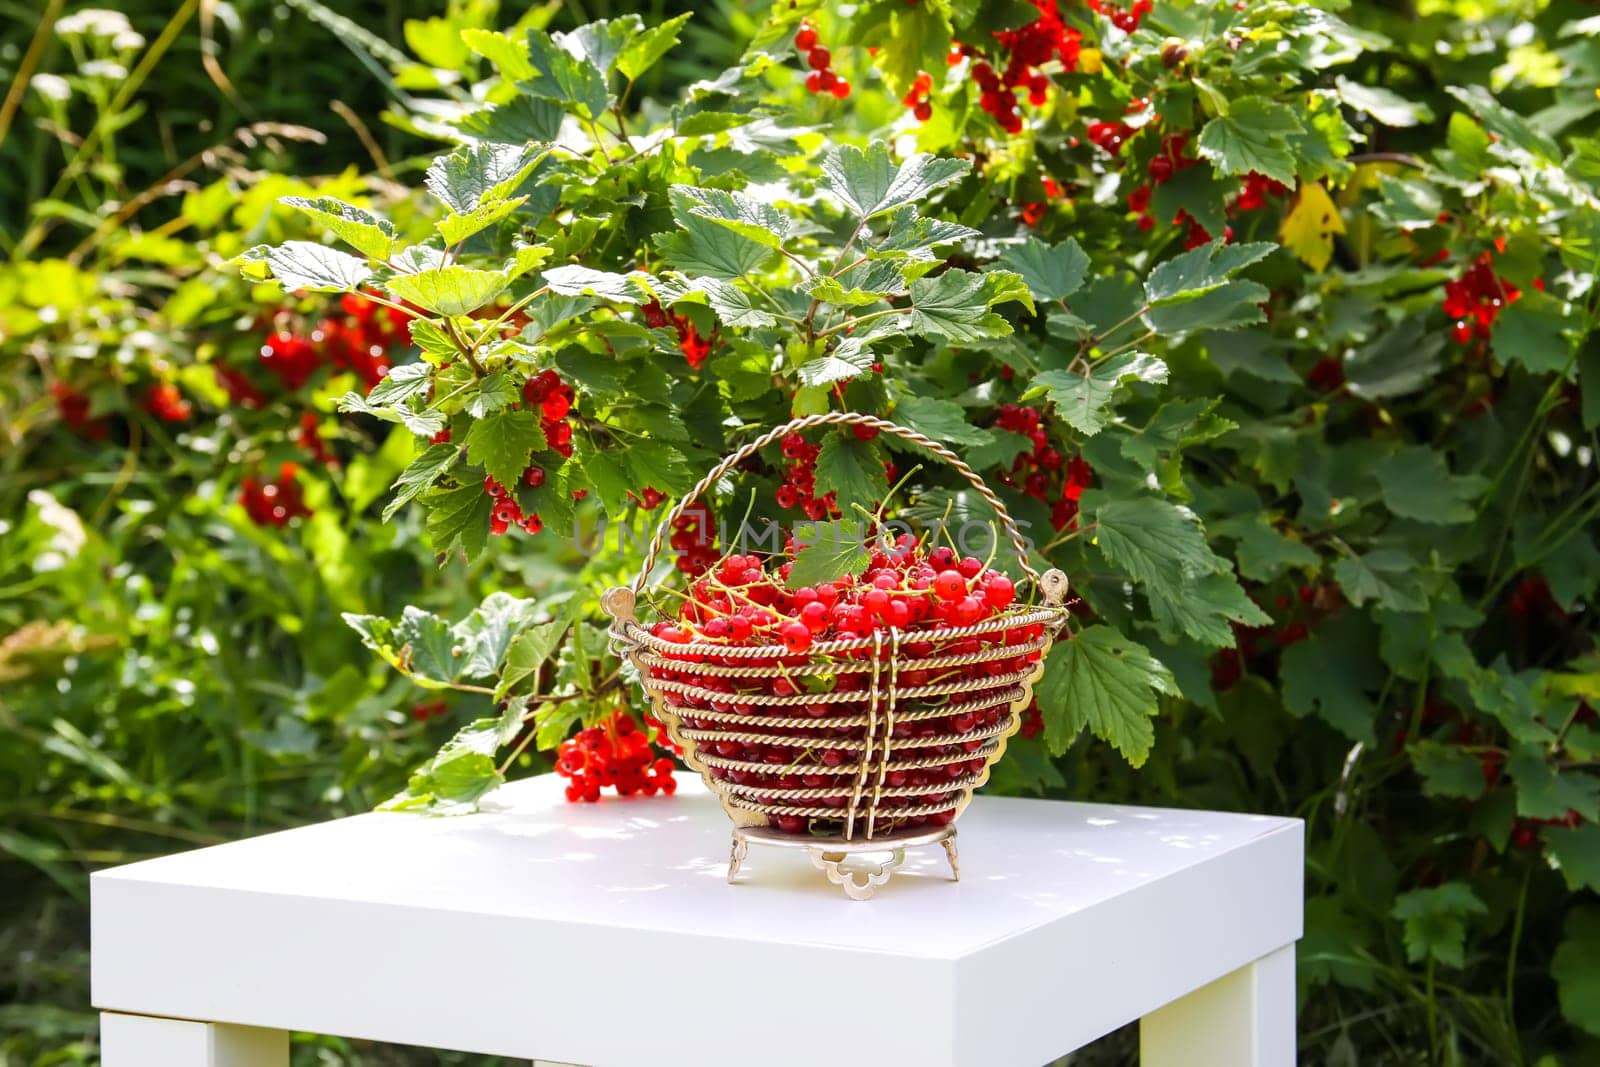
<point x="360" y="337"/>
<point x="917" y="99"/>
<point x="276" y="502"/>
<point x="800" y="480"/>
<point x="1126" y="19"/>
<point x="1476" y="299"/>
<point x="823" y="78"/>
<point x="695" y="348"/>
<point x="165" y="402"/>
<point x="73" y="406"/>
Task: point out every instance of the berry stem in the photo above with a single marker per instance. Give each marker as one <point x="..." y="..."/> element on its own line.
<point x="464" y="348"/>
<point x="489" y="330"/>
<point x="1101" y="339"/>
<point x="859" y="319"/>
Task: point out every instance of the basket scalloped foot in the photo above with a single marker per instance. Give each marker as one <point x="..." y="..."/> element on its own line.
<point x="858" y="882"/>
<point x="839" y="859"/>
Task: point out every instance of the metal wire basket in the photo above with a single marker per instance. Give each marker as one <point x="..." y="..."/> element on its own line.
<point x="890" y="748"/>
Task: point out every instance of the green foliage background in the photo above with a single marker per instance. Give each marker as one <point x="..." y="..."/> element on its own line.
<point x="1336" y="561"/>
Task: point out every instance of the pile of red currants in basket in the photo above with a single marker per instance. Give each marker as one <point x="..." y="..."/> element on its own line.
<point x="804" y="731"/>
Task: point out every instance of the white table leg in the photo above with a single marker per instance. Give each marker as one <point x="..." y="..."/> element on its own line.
<point x="1243" y="1019"/>
<point x="147" y="1041"/>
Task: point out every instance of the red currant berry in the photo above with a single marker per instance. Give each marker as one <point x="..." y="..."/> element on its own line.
<point x="796" y="637"/>
<point x="949" y="585"/>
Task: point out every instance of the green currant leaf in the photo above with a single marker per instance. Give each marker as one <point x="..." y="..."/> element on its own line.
<point x="362" y="230"/>
<point x="565" y="78"/>
<point x="1533" y="332"/>
<point x="1514" y="700"/>
<point x="1101" y="680"/>
<point x="853" y="469"/>
<point x="1176" y="425"/>
<point x="472" y="174"/>
<point x="871" y="282"/>
<point x="1385" y="575"/>
<point x="1201" y="192"/>
<point x="436" y="41"/>
<point x="459" y="775"/>
<point x="1447" y="770"/>
<point x="306" y="265"/>
<point x="494" y="392"/>
<point x="449" y="291"/>
<point x="1333" y="674"/>
<point x="1228" y="307"/>
<point x="1384" y="105"/>
<point x="869" y="181"/>
<point x="1083" y="401"/>
<point x="1577" y="850"/>
<point x="420" y="475"/>
<point x="913" y="236"/>
<point x="1417" y="484"/>
<point x="655" y="464"/>
<point x="528" y="652"/>
<point x="575" y="280"/>
<point x="509" y="55"/>
<point x="1544" y="792"/>
<point x="646" y="49"/>
<point x="1401" y="361"/>
<point x="732" y="304"/>
<point x="1252" y="136"/>
<point x="752" y="219"/>
<point x="456" y="228"/>
<point x="401" y="384"/>
<point x="1576" y="963"/>
<point x="1157" y="543"/>
<point x="517" y="122"/>
<point x="1053" y="272"/>
<point x="503" y="444"/>
<point x="482" y="639"/>
<point x="907" y="39"/>
<point x="426" y="648"/>
<point x="1435" y="922"/>
<point x="422" y="423"/>
<point x="1512" y="130"/>
<point x="601" y="42"/>
<point x="458" y="516"/>
<point x="999" y="451"/>
<point x="848" y="359"/>
<point x="955" y="305"/>
<point x="1200" y="271"/>
<point x="943" y="420"/>
<point x="609" y="476"/>
<point x="1203" y="609"/>
<point x="836" y="549"/>
<point x="704" y="246"/>
<point x="1264" y="554"/>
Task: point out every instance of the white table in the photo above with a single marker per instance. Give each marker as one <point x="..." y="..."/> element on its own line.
<point x="605" y="934"/>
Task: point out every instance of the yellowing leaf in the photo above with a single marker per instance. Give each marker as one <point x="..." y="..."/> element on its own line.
<point x="1309" y="226"/>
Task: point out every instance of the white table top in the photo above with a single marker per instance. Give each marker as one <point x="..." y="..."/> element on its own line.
<point x="516" y="931"/>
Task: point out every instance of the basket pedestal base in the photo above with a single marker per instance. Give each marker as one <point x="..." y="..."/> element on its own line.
<point x="833" y="855"/>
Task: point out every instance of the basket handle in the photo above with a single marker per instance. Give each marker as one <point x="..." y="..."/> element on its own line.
<point x="834" y="418"/>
